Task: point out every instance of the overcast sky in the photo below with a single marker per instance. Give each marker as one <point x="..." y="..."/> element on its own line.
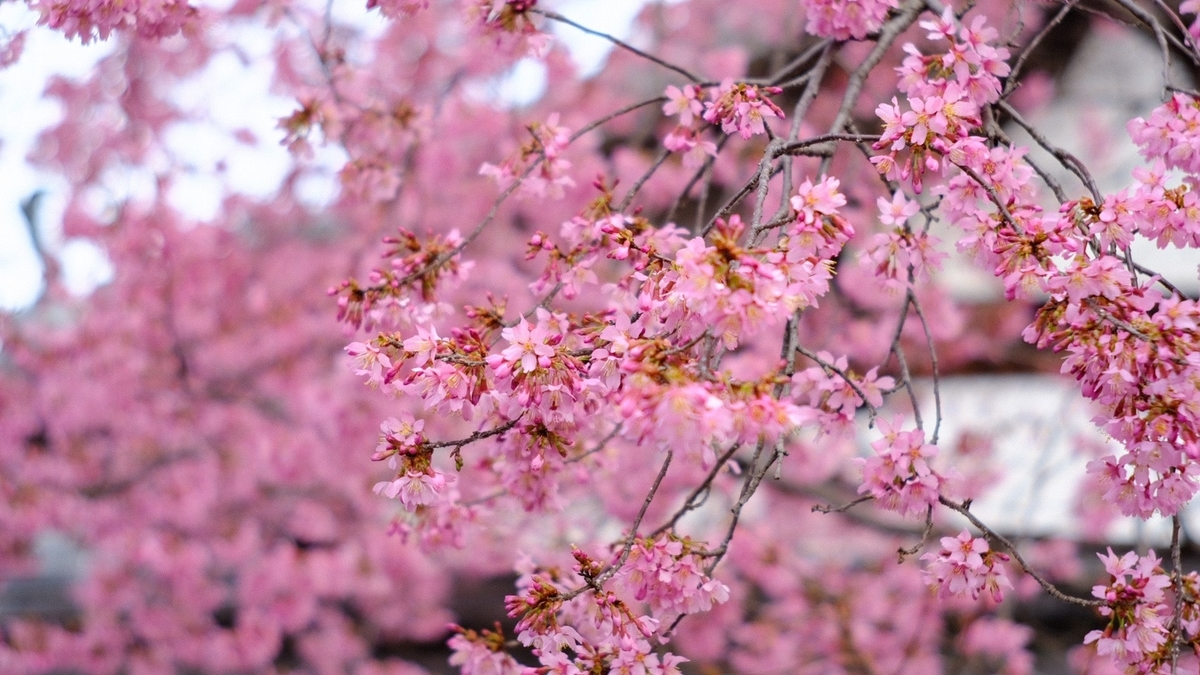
<point x="233" y="95"/>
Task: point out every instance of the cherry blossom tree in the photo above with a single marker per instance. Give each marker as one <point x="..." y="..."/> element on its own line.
<point x="665" y="343"/>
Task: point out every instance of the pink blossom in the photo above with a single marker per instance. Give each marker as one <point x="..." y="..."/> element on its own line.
<point x="899" y="476"/>
<point x="11" y="51"/>
<point x="369" y="361"/>
<point x="695" y="151"/>
<point x="415" y="488"/>
<point x="846" y="19"/>
<point x="965" y="566"/>
<point x="527" y="348"/>
<point x="479" y="656"/>
<point x="741" y="108"/>
<point x="819" y="199"/>
<point x="684" y="102"/>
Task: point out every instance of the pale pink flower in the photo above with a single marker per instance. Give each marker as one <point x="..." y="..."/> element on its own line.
<point x="898" y="210"/>
<point x="684" y="102"/>
<point x="527" y="348"/>
<point x="965" y="566"/>
<point x="846" y="19"/>
<point x="415" y="488"/>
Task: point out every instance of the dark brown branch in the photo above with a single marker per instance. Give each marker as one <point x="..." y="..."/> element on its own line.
<point x="477" y="436"/>
<point x="1011" y="82"/>
<point x="1177" y="573"/>
<point x="753" y="480"/>
<point x="909" y="12"/>
<point x="795" y="63"/>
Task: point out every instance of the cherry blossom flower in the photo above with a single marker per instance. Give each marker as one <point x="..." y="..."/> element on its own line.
<point x="965" y="566"/>
<point x="846" y="19"/>
<point x="741" y="108"/>
<point x="686" y="102"/>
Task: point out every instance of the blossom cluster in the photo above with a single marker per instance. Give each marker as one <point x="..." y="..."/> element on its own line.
<point x="667" y="575"/>
<point x="392" y="297"/>
<point x="944" y="95"/>
<point x="846" y="19"/>
<point x="530" y="385"/>
<point x="966" y="566"/>
<point x="972" y="61"/>
<point x="733" y="293"/>
<point x="739" y="107"/>
<point x="573" y="634"/>
<point x="837" y="392"/>
<point x="899" y="476"/>
<point x="1171" y="133"/>
<point x="735" y="107"/>
<point x="1139" y="613"/>
<point x="538" y="164"/>
<point x="508" y="25"/>
<point x="90" y="20"/>
<point x="1126" y="340"/>
<point x="902" y="251"/>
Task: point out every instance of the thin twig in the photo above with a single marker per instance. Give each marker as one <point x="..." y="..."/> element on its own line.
<point x="1193" y="53"/>
<point x="887" y="35"/>
<point x="1008" y="546"/>
<point x="995" y="131"/>
<point x="746" y="188"/>
<point x="764" y="181"/>
<point x="829" y="367"/>
<point x="637" y="186"/>
<point x="799" y="112"/>
<point x="753" y="480"/>
<point x="912" y="550"/>
<point x="828" y="508"/>
<point x="1148" y="19"/>
<point x="1159" y="278"/>
<point x="791" y="148"/>
<point x="1011" y="81"/>
<point x="898" y="350"/>
<point x="555" y="16"/>
<point x="477" y="436"/>
<point x="700" y="173"/>
<point x="991" y="191"/>
<point x="507" y="192"/>
<point x="1068" y="160"/>
<point x="700" y="494"/>
<point x="1119" y="323"/>
<point x="637" y="522"/>
<point x="800" y="60"/>
<point x="933" y="360"/>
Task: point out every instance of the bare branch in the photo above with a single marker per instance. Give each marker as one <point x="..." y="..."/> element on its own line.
<point x="933" y="360"/>
<point x="555" y="16"/>
<point x="1069" y="161"/>
<point x="1012" y="550"/>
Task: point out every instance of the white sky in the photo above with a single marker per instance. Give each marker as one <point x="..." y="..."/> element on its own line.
<point x="234" y="95"/>
<point x="45" y="54"/>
